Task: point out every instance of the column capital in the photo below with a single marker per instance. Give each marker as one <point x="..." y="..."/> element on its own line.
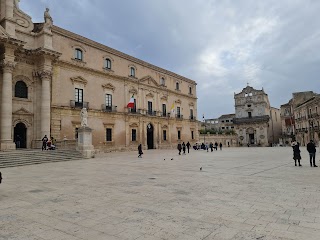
<point x="8" y="66"/>
<point x="44" y="74"/>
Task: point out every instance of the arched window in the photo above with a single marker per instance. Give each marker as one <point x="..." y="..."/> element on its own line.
<point x="78" y="55"/>
<point x="177" y="86"/>
<point x="21" y="90"/>
<point x="132" y="72"/>
<point x="108" y="63"/>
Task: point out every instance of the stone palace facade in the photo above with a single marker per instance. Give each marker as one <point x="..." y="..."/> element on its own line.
<point x="49" y="74"/>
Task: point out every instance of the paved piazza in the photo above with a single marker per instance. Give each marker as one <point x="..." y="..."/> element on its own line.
<point x="241" y="193"/>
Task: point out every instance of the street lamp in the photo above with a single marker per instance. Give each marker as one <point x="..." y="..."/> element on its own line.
<point x="204" y="136"/>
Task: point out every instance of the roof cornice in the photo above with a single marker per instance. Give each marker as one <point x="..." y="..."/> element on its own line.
<point x="104" y="48"/>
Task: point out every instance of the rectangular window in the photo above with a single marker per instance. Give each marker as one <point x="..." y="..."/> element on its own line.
<point x="108" y="134"/>
<point x="179" y="134"/>
<point x="177" y="86"/>
<point x="164" y="133"/>
<point x="78" y="97"/>
<point x="108" y="101"/>
<point x="150" y="107"/>
<point x="178" y="112"/>
<point x="192" y="136"/>
<point x="249" y="114"/>
<point x="227" y="120"/>
<point x="134" y="135"/>
<point x="191" y="113"/>
<point x="190" y="90"/>
<point x="164" y="110"/>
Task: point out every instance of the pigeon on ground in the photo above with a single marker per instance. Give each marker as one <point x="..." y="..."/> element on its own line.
<point x="164" y="159"/>
<point x="171" y="158"/>
<point x="201" y="169"/>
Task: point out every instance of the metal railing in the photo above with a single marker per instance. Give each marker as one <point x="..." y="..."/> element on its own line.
<point x="179" y="116"/>
<point x="106" y="108"/>
<point x="75" y="104"/>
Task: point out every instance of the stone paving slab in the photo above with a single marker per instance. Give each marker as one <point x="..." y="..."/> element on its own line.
<point x="240" y="194"/>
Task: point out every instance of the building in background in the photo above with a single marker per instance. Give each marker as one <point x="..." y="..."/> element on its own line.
<point x="300" y="118"/>
<point x="49" y="74"/>
<point x="256" y="122"/>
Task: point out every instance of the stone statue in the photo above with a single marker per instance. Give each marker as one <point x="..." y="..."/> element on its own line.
<point x="84" y="117"/>
<point x="47" y="18"/>
<point x="16" y="3"/>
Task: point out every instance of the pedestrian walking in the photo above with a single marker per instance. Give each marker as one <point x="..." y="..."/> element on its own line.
<point x="188" y="146"/>
<point x="211" y="146"/>
<point x="184" y="148"/>
<point x="311" y="148"/>
<point x="140" y="151"/>
<point x="18" y="141"/>
<point x="296" y="154"/>
<point x="216" y="146"/>
<point x="44" y="142"/>
<point x="220" y="146"/>
<point x="179" y="147"/>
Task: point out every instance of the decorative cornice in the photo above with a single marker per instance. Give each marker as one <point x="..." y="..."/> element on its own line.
<point x="148" y="80"/>
<point x="79" y="79"/>
<point x="191" y="104"/>
<point x="109" y="50"/>
<point x="150" y="95"/>
<point x="42" y="52"/>
<point x="7" y="65"/>
<point x="134" y="125"/>
<point x="164" y="97"/>
<point x="108" y="86"/>
<point x="178" y="101"/>
<point x="22" y="111"/>
<point x="133" y="90"/>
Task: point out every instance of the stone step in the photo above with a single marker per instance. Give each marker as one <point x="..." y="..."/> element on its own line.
<point x="28" y="157"/>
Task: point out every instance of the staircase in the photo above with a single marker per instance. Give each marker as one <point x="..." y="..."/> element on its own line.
<point x="28" y="157"/>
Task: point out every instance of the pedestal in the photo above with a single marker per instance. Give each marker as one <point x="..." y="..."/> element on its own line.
<point x="85" y="142"/>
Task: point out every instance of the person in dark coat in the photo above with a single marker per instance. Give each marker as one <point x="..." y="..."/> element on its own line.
<point x="311" y="147"/>
<point x="188" y="146"/>
<point x="184" y="148"/>
<point x="0" y="177"/>
<point x="296" y="154"/>
<point x="140" y="151"/>
<point x="216" y="146"/>
<point x="211" y="146"/>
<point x="44" y="142"/>
<point x="179" y="148"/>
<point x="220" y="146"/>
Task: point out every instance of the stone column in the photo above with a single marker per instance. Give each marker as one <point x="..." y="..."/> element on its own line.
<point x="45" y="77"/>
<point x="6" y="106"/>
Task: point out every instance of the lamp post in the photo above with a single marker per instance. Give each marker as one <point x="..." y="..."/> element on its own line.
<point x="204" y="135"/>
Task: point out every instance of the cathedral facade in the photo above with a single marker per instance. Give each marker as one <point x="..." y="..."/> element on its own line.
<point x="256" y="122"/>
<point x="49" y="74"/>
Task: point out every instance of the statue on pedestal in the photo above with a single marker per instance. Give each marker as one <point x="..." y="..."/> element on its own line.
<point x="84" y="117"/>
<point x="48" y="22"/>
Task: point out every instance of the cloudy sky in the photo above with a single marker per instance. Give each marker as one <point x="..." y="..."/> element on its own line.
<point x="221" y="44"/>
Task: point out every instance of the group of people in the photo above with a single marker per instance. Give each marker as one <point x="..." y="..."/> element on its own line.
<point x="183" y="147"/>
<point x="311" y="148"/>
<point x="48" y="143"/>
<point x="207" y="146"/>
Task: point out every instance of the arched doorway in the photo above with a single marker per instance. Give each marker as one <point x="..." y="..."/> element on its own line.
<point x="251" y="137"/>
<point x="150" y="136"/>
<point x="20" y="135"/>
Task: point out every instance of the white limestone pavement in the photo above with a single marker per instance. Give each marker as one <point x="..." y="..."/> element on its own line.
<point x="241" y="193"/>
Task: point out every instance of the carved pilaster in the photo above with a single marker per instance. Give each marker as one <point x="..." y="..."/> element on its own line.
<point x="7" y="66"/>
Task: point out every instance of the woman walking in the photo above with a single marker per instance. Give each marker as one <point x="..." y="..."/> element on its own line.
<point x="296" y="154"/>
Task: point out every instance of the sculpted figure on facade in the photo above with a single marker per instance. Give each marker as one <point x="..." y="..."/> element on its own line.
<point x="84" y="117"/>
<point x="48" y="22"/>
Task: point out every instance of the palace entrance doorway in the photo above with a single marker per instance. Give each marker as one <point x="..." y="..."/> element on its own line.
<point x="20" y="135"/>
<point x="150" y="136"/>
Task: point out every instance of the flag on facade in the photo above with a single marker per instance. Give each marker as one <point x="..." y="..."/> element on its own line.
<point x="172" y="108"/>
<point x="131" y="102"/>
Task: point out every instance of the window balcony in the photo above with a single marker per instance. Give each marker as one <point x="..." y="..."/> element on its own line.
<point x="192" y="118"/>
<point x="134" y="111"/>
<point x="179" y="116"/>
<point x="152" y="113"/>
<point x="164" y="114"/>
<point x="76" y="104"/>
<point x="106" y="108"/>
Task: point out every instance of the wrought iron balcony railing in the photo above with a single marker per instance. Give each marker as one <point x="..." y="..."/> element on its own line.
<point x="76" y="104"/>
<point x="106" y="108"/>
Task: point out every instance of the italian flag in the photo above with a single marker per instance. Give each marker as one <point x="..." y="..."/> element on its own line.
<point x="131" y="102"/>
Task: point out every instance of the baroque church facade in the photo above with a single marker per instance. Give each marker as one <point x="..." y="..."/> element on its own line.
<point x="49" y="74"/>
<point x="256" y="122"/>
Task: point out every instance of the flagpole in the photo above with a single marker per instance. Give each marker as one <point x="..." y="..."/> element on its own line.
<point x="204" y="136"/>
